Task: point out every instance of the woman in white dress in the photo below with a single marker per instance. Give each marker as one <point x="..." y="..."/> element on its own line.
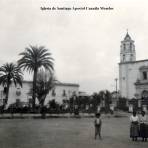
<point x="134" y="128"/>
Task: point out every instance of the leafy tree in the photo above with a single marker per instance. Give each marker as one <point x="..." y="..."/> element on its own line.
<point x="108" y="100"/>
<point x="54" y="106"/>
<point x="10" y="73"/>
<point x="45" y="82"/>
<point x="32" y="59"/>
<point x="105" y="96"/>
<point x="102" y="96"/>
<point x="96" y="98"/>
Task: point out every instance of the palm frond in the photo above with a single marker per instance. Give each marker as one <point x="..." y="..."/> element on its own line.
<point x="35" y="57"/>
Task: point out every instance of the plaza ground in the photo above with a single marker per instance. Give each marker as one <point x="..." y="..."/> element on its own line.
<point x="66" y="133"/>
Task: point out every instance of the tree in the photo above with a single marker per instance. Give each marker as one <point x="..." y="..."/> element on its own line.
<point x="108" y="100"/>
<point x="105" y="97"/>
<point x="10" y="73"/>
<point x="33" y="58"/>
<point x="45" y="82"/>
<point x="54" y="106"/>
<point x="96" y="98"/>
<point x="102" y="97"/>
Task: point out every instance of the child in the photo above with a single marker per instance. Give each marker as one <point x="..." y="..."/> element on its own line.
<point x="98" y="124"/>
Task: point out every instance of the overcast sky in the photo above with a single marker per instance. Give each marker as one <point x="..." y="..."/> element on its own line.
<point x="84" y="44"/>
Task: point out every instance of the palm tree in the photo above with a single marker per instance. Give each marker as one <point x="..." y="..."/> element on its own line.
<point x="33" y="58"/>
<point x="9" y="73"/>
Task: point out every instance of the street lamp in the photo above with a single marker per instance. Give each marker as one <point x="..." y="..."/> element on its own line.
<point x="116" y="84"/>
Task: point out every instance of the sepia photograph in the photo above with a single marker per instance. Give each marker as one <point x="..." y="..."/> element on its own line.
<point x="73" y="74"/>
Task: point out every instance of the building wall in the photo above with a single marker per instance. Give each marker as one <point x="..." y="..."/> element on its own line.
<point x="140" y="89"/>
<point x="128" y="74"/>
<point x="12" y="92"/>
<point x="69" y="89"/>
<point x="59" y="88"/>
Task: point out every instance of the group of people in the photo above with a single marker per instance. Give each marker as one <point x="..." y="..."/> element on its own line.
<point x="139" y="126"/>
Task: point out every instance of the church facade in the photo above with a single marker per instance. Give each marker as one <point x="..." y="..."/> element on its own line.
<point x="133" y="75"/>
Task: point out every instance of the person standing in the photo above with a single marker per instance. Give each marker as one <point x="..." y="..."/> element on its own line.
<point x="134" y="128"/>
<point x="98" y="124"/>
<point x="143" y="126"/>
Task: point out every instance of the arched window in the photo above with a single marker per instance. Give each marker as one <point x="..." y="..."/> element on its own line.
<point x="123" y="57"/>
<point x="144" y="75"/>
<point x="53" y="93"/>
<point x="144" y="94"/>
<point x="64" y="93"/>
<point x="130" y="46"/>
<point x="131" y="58"/>
<point x="124" y="46"/>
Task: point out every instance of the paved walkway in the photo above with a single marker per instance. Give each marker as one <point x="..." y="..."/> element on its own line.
<point x="67" y="115"/>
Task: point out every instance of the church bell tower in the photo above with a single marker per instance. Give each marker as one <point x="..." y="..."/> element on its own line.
<point x="127" y="50"/>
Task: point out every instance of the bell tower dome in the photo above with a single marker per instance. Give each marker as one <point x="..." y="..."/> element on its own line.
<point x="127" y="49"/>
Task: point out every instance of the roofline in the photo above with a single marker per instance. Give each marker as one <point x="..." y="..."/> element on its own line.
<point x="58" y="83"/>
<point x="67" y="84"/>
<point x="141" y="83"/>
<point x="26" y="81"/>
<point x="132" y="62"/>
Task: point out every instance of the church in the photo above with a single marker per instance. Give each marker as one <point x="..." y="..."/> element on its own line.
<point x="133" y="75"/>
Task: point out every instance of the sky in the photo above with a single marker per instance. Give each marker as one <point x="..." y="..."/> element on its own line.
<point x="85" y="44"/>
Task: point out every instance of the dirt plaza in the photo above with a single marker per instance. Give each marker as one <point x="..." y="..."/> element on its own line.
<point x="66" y="133"/>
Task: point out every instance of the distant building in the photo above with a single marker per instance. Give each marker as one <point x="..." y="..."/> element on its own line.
<point x="133" y="75"/>
<point x="61" y="91"/>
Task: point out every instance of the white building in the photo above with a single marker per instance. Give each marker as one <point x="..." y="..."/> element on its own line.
<point x="61" y="91"/>
<point x="133" y="75"/>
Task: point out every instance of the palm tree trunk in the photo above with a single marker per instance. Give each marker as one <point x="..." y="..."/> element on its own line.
<point x="34" y="89"/>
<point x="43" y="111"/>
<point x="7" y="94"/>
